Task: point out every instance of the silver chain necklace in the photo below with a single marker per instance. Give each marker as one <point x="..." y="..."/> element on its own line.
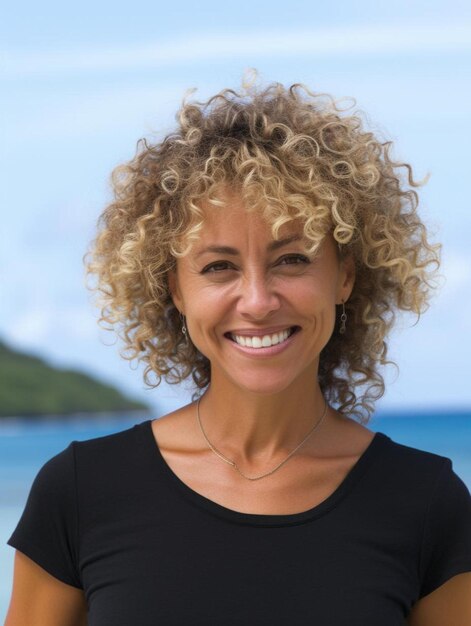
<point x="234" y="465"/>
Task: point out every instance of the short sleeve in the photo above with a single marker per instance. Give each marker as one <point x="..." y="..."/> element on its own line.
<point x="446" y="547"/>
<point x="47" y="531"/>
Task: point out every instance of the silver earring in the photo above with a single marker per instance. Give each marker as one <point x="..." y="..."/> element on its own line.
<point x="343" y="319"/>
<point x="184" y="329"/>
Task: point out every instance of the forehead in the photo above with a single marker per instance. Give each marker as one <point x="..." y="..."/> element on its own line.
<point x="236" y="221"/>
<point x="227" y="220"/>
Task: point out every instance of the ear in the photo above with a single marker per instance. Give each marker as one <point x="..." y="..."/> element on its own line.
<point x="346" y="278"/>
<point x="174" y="290"/>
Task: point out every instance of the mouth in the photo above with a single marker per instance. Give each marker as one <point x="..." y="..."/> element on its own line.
<point x="263" y="341"/>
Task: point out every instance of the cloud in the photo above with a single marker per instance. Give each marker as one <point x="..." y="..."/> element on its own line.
<point x="379" y="39"/>
<point x="40" y="326"/>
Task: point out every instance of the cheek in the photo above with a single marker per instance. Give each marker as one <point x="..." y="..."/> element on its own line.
<point x="208" y="300"/>
<point x="206" y="307"/>
<point x="187" y="292"/>
<point x="313" y="293"/>
<point x="317" y="302"/>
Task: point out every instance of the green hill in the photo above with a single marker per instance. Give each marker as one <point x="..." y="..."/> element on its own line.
<point x="29" y="386"/>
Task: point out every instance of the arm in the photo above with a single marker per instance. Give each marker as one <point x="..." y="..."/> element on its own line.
<point x="41" y="599"/>
<point x="450" y="604"/>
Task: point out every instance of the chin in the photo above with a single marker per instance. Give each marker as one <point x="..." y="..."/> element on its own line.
<point x="263" y="384"/>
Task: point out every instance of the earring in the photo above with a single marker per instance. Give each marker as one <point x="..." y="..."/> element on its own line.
<point x="343" y="319"/>
<point x="184" y="329"/>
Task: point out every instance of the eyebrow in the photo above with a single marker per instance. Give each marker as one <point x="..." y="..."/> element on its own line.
<point x="274" y="245"/>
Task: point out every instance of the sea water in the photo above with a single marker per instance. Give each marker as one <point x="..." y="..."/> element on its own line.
<point x="26" y="444"/>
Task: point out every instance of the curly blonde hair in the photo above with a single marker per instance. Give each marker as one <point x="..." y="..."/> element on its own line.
<point x="292" y="154"/>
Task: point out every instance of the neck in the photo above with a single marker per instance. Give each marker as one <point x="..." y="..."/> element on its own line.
<point x="251" y="428"/>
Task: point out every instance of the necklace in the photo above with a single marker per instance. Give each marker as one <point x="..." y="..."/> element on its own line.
<point x="234" y="465"/>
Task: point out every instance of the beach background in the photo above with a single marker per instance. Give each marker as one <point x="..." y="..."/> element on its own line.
<point x="82" y="83"/>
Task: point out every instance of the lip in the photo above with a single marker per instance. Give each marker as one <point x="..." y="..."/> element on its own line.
<point x="272" y="350"/>
<point x="260" y="332"/>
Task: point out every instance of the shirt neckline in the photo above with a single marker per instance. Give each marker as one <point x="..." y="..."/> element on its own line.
<point x="258" y="519"/>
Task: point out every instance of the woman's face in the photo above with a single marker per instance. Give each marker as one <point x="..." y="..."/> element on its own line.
<point x="259" y="309"/>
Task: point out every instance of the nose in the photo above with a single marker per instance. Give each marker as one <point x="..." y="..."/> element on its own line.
<point x="257" y="298"/>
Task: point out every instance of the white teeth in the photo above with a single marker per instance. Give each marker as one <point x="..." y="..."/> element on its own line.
<point x="262" y="342"/>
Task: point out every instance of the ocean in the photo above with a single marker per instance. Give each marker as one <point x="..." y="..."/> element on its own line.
<point x="26" y="444"/>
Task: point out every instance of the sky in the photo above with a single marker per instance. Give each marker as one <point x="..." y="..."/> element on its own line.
<point x="81" y="83"/>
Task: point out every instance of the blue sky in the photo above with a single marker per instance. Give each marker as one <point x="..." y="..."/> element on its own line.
<point x="83" y="82"/>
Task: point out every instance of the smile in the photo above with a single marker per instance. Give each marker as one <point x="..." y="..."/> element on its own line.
<point x="263" y="341"/>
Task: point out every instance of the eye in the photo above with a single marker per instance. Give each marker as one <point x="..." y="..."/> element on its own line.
<point x="293" y="259"/>
<point x="219" y="266"/>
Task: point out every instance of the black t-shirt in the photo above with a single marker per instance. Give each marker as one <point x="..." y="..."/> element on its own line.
<point x="109" y="516"/>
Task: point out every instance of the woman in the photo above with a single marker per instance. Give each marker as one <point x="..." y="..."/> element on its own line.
<point x="263" y="249"/>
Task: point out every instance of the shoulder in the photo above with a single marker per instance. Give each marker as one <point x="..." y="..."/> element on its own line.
<point x="426" y="479"/>
<point x="423" y="473"/>
<point x="95" y="474"/>
<point x="433" y="476"/>
<point x="93" y="464"/>
<point x="429" y="485"/>
<point x="113" y="461"/>
<point x="411" y="461"/>
<point x="57" y="476"/>
<point x="416" y="484"/>
<point x="348" y="437"/>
